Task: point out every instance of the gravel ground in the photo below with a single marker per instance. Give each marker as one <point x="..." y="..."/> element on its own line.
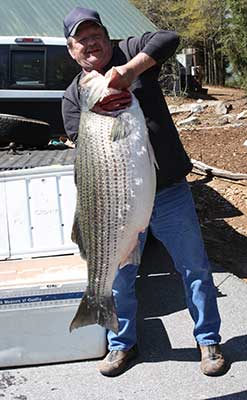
<point x="221" y="203"/>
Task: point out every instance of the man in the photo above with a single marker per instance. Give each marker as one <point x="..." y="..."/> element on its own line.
<point x="173" y="221"/>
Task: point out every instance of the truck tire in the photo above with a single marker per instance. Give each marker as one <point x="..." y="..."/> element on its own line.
<point x="23" y="131"/>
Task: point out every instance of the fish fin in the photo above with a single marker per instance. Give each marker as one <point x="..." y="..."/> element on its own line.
<point x="152" y="155"/>
<point x="107" y="315"/>
<point x="76" y="237"/>
<point x="118" y="130"/>
<point x="86" y="313"/>
<point x="89" y="313"/>
<point x="75" y="176"/>
<point x="133" y="258"/>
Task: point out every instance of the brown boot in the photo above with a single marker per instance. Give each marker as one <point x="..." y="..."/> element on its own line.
<point x="212" y="360"/>
<point x="116" y="361"/>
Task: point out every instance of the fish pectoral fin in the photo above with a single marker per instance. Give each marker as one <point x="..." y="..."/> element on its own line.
<point x="118" y="131"/>
<point x="134" y="257"/>
<point x="77" y="237"/>
<point x="90" y="312"/>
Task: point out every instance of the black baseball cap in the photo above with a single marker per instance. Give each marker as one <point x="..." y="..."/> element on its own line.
<point x="76" y="17"/>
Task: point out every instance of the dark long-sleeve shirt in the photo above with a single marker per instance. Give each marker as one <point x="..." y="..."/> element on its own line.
<point x="171" y="157"/>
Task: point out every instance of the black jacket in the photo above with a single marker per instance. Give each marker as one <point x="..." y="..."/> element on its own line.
<point x="171" y="157"/>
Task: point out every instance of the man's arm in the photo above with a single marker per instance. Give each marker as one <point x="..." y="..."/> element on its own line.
<point x="71" y="118"/>
<point x="128" y="72"/>
<point x="71" y="109"/>
<point x="149" y="50"/>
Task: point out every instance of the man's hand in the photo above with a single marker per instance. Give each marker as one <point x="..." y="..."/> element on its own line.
<point x="120" y="77"/>
<point x="116" y="101"/>
<point x="118" y="97"/>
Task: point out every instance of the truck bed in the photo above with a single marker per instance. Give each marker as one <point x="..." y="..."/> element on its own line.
<point x="31" y="158"/>
<point x="37" y="203"/>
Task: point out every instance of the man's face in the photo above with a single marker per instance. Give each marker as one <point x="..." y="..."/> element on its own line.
<point x="90" y="48"/>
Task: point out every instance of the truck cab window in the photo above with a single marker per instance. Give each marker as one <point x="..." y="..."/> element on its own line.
<point x="34" y="72"/>
<point x="4" y="66"/>
<point x="27" y="68"/>
<point x="60" y="67"/>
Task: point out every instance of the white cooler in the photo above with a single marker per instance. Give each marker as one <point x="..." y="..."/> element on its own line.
<point x="38" y="299"/>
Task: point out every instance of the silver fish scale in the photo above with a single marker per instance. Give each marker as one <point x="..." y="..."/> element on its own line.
<point x="103" y="190"/>
<point x="115" y="178"/>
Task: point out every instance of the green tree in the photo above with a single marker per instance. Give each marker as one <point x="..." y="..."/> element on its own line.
<point x="201" y="24"/>
<point x="206" y="31"/>
<point x="236" y="39"/>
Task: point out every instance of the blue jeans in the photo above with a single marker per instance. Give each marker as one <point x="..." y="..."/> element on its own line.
<point x="174" y="222"/>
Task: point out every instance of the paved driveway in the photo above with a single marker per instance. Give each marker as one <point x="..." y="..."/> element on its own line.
<point x="168" y="367"/>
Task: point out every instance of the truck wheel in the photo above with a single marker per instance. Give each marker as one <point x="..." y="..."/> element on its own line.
<point x="23" y="131"/>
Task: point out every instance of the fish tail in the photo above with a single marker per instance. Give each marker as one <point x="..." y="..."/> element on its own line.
<point x="85" y="314"/>
<point x="89" y="312"/>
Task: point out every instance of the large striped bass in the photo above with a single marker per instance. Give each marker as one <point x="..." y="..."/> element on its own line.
<point x="115" y="179"/>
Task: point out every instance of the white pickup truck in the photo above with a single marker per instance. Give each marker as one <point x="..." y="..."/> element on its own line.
<point x="34" y="72"/>
<point x="37" y="192"/>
